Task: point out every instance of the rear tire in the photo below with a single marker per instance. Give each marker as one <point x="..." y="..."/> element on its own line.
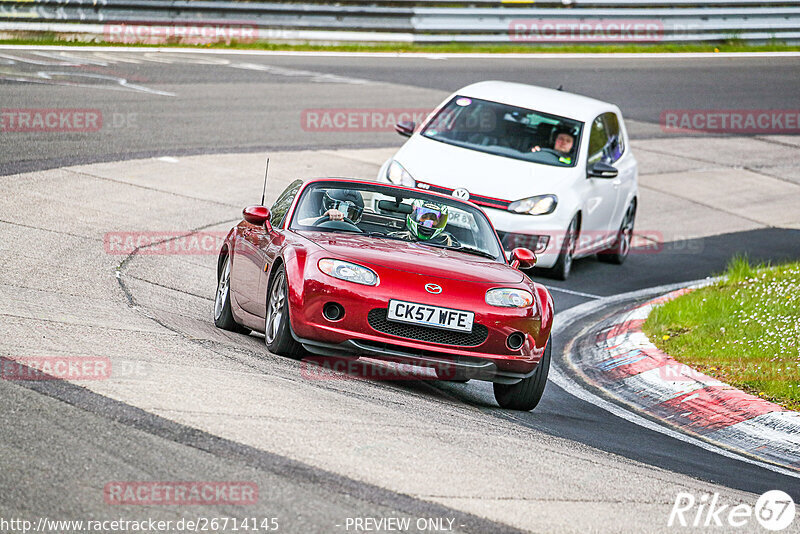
<point x="277" y="327"/>
<point x="223" y="316"/>
<point x="622" y="246"/>
<point x="563" y="266"/>
<point x="526" y="394"/>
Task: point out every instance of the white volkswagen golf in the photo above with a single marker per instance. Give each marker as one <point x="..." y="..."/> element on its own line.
<point x="553" y="170"/>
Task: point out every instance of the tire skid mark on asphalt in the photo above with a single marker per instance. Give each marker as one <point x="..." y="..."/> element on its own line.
<point x="183" y="291"/>
<point x="51" y="230"/>
<point x="81" y="172"/>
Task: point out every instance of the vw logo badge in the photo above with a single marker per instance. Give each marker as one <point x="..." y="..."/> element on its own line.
<point x="433" y="288"/>
<point x="461" y="193"/>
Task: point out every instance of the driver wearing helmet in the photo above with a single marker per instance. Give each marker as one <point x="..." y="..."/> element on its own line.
<point x="338" y="205"/>
<point x="426" y="223"/>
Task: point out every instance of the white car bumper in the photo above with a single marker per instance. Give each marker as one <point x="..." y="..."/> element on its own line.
<point x="543" y="234"/>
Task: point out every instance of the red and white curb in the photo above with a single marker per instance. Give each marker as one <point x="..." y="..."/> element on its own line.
<point x="622" y="361"/>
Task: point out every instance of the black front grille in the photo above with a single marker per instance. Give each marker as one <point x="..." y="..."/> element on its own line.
<point x="377" y="320"/>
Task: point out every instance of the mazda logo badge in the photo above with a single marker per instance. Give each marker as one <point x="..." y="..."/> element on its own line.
<point x="433" y="288"/>
<point x="461" y="193"/>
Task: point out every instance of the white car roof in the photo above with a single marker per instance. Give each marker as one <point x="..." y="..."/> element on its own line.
<point x="552" y="101"/>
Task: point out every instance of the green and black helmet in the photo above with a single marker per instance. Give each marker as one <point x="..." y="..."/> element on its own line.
<point x="427" y="219"/>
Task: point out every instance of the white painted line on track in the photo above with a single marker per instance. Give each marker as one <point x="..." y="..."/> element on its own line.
<point x="572" y="292"/>
<point x="565" y="382"/>
<point x="413" y="55"/>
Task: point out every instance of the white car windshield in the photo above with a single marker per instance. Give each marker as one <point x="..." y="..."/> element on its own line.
<point x="385" y="212"/>
<point x="506" y="130"/>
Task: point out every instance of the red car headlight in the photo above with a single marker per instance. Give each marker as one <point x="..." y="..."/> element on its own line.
<point x="344" y="270"/>
<point x="506" y="297"/>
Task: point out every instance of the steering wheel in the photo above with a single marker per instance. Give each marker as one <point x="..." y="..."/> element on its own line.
<point x="347" y="224"/>
<point x="552" y="154"/>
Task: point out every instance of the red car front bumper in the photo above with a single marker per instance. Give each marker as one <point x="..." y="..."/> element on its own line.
<point x="364" y="330"/>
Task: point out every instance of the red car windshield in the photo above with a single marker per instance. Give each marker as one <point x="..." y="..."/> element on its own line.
<point x="384" y="212"/>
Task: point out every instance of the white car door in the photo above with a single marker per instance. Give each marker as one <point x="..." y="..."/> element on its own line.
<point x="600" y="194"/>
<point x="621" y="157"/>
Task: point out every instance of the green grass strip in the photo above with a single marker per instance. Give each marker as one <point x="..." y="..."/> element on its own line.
<point x="744" y="330"/>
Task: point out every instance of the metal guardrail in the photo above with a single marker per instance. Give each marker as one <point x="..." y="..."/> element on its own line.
<point x="428" y="21"/>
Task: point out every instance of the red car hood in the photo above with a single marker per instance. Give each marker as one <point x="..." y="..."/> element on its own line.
<point x="415" y="258"/>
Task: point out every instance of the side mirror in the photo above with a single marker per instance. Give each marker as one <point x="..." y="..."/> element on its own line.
<point x="257" y="215"/>
<point x="602" y="170"/>
<point x="522" y="258"/>
<point x="405" y="128"/>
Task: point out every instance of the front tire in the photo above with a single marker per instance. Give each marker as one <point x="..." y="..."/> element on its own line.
<point x="277" y="329"/>
<point x="526" y="394"/>
<point x="622" y="246"/>
<point x="223" y="316"/>
<point x="563" y="266"/>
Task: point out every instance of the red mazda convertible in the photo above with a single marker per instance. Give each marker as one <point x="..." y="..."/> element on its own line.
<point x="346" y="268"/>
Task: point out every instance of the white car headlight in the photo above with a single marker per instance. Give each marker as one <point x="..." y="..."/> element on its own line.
<point x="538" y="205"/>
<point x="506" y="297"/>
<point x="344" y="270"/>
<point x="399" y="176"/>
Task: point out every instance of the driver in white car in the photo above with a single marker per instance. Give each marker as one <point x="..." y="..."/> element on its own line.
<point x="563" y="143"/>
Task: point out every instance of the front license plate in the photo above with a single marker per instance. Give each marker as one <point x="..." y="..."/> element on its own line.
<point x="434" y="316"/>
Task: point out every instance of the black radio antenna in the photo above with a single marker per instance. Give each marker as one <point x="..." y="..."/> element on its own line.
<point x="264" y="192"/>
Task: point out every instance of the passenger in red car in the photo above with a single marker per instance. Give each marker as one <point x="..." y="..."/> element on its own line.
<point x="427" y="222"/>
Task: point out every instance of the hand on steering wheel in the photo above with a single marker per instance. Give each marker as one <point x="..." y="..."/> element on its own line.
<point x="326" y="218"/>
